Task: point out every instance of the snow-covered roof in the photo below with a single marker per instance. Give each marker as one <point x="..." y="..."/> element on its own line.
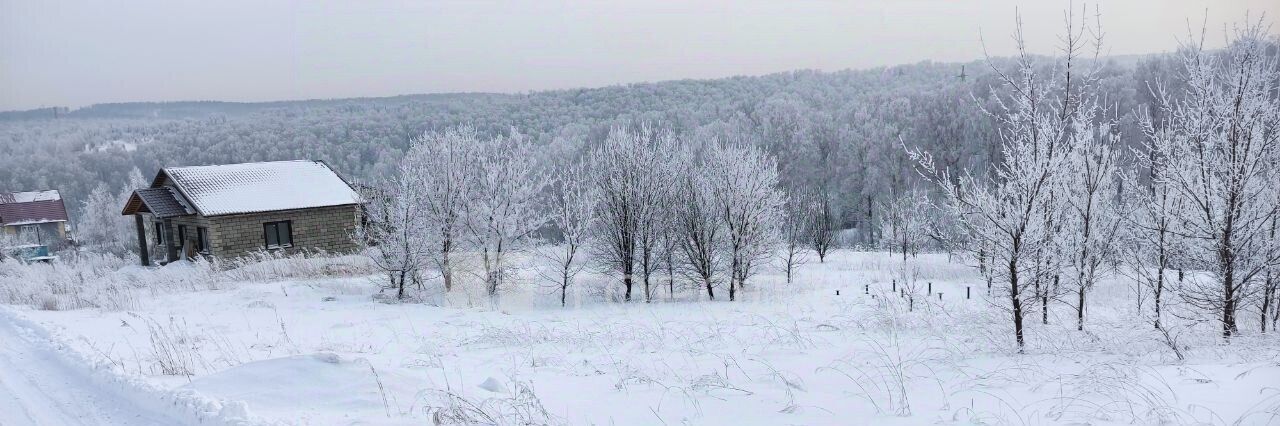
<point x="29" y="196"/>
<point x="33" y="207"/>
<point x="162" y="202"/>
<point x="261" y="187"/>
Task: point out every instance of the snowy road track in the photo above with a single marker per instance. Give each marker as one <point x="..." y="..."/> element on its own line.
<point x="38" y="388"/>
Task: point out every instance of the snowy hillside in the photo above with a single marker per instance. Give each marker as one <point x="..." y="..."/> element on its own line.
<point x="320" y="351"/>
<point x="1049" y="236"/>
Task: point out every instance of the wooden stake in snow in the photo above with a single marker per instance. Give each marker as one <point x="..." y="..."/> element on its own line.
<point x="966" y="292"/>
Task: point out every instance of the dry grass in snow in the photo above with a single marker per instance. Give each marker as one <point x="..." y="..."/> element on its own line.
<point x="297" y="347"/>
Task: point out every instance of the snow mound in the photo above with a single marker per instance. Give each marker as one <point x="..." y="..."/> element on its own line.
<point x="493" y="385"/>
<point x="314" y="386"/>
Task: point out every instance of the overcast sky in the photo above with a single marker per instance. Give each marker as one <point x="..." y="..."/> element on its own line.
<point x="79" y="52"/>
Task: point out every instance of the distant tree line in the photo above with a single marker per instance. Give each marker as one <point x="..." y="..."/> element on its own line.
<point x="835" y="132"/>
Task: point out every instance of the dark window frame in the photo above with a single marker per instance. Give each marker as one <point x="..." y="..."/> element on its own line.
<point x="31" y="231"/>
<point x="202" y="239"/>
<point x="159" y="227"/>
<point x="283" y="235"/>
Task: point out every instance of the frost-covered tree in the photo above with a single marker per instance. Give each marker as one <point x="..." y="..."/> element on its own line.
<point x="1094" y="211"/>
<point x="904" y="222"/>
<point x="654" y="227"/>
<point x="441" y="166"/>
<point x="100" y="226"/>
<point x="698" y="229"/>
<point x="822" y="227"/>
<point x="630" y="200"/>
<point x="910" y="285"/>
<point x="1220" y="137"/>
<point x="572" y="213"/>
<point x="799" y="209"/>
<point x="503" y="204"/>
<point x="1269" y="301"/>
<point x="743" y="181"/>
<point x="1006" y="211"/>
<point x="398" y="242"/>
<point x="1151" y="244"/>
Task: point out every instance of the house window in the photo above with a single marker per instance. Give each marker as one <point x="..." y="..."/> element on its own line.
<point x="202" y="239"/>
<point x="278" y="234"/>
<point x="182" y="236"/>
<point x="29" y="233"/>
<point x="159" y="233"/>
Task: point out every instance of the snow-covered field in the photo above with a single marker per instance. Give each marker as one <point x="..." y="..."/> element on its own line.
<point x="838" y="346"/>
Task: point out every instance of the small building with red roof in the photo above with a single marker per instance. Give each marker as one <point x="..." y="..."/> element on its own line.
<point x="37" y="217"/>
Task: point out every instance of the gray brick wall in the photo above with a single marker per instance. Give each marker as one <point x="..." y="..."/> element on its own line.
<point x="191" y="222"/>
<point x="324" y="228"/>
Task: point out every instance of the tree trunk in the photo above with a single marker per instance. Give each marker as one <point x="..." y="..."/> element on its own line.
<point x="1226" y="259"/>
<point x="1228" y="318"/>
<point x="1159" y="291"/>
<point x="648" y="296"/>
<point x="1044" y="308"/>
<point x="1161" y="264"/>
<point x="791" y="259"/>
<point x="1040" y="295"/>
<point x="1266" y="300"/>
<point x="400" y="291"/>
<point x="982" y="262"/>
<point x="626" y="282"/>
<point x="671" y="280"/>
<point x="1268" y="286"/>
<point x="734" y="266"/>
<point x="1275" y="305"/>
<point x="492" y="273"/>
<point x="564" y="288"/>
<point x="1017" y="303"/>
<point x="446" y="269"/>
<point x="1080" y="311"/>
<point x="871" y="237"/>
<point x="1275" y="310"/>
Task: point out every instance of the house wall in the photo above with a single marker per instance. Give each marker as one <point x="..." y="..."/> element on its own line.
<point x="324" y="228"/>
<point x="52" y="234"/>
<point x="191" y="222"/>
<point x="158" y="252"/>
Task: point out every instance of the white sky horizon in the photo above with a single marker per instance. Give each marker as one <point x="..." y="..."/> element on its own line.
<point x="82" y="52"/>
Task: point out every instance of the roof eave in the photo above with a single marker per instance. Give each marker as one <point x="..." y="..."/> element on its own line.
<point x="32" y="222"/>
<point x="277" y="210"/>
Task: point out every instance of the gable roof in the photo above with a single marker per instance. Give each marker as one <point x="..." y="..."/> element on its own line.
<point x="163" y="202"/>
<point x="258" y="187"/>
<point x="25" y="208"/>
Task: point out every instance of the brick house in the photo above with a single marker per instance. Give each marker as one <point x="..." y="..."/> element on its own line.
<point x="228" y="211"/>
<point x="37" y="217"/>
